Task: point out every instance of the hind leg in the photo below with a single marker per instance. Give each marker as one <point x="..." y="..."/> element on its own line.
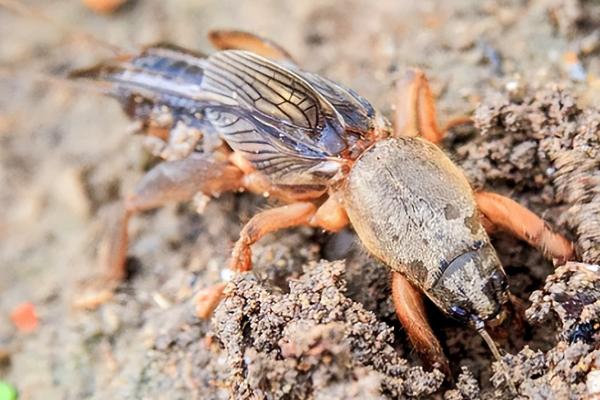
<point x="415" y="113"/>
<point x="173" y="181"/>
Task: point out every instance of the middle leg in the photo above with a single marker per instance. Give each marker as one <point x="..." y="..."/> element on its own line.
<point x="260" y="225"/>
<point x="329" y="216"/>
<point x="291" y="215"/>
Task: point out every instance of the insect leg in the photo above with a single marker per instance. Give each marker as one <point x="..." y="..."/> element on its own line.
<point x="506" y="214"/>
<point x="331" y="215"/>
<point x="260" y="225"/>
<point x="266" y="222"/>
<point x="415" y="108"/>
<point x="410" y="310"/>
<point x="240" y="40"/>
<point x="415" y="113"/>
<point x="206" y="300"/>
<point x="169" y="181"/>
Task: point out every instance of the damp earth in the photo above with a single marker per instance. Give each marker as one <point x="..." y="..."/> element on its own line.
<point x="314" y="319"/>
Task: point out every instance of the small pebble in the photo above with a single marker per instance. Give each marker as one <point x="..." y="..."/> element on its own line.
<point x="593" y="383"/>
<point x="25" y="318"/>
<point x="200" y="201"/>
<point x="227" y="274"/>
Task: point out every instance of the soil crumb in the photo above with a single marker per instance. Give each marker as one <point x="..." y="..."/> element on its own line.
<point x="570" y="369"/>
<point x="313" y="342"/>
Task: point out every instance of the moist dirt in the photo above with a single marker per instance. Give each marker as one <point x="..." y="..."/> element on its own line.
<point x="314" y="319"/>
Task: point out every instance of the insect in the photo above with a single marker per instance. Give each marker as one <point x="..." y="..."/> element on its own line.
<point x="262" y="124"/>
<point x="248" y="118"/>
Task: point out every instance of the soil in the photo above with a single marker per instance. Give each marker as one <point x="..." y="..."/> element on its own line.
<point x="314" y="319"/>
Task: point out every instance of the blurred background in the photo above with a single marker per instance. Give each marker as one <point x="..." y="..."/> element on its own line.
<point x="65" y="154"/>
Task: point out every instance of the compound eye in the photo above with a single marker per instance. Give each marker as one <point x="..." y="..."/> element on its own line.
<point x="499" y="280"/>
<point x="459" y="313"/>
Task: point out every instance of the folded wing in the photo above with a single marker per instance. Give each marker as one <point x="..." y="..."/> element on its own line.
<point x="293" y="126"/>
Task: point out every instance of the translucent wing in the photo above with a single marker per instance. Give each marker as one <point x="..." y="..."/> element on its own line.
<point x="294" y="126"/>
<point x="276" y="118"/>
<point x="356" y="111"/>
<point x="161" y="79"/>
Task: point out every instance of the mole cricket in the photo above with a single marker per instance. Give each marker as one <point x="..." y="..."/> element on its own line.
<point x="247" y="118"/>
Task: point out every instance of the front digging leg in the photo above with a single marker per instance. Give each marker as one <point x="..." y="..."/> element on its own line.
<point x="410" y="310"/>
<point x="506" y="214"/>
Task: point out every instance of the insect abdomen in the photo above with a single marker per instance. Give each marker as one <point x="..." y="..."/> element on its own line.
<point x="158" y="83"/>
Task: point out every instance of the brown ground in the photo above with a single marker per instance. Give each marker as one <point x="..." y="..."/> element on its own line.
<point x="298" y="327"/>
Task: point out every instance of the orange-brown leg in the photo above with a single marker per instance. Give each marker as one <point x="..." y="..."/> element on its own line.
<point x="208" y="299"/>
<point x="415" y="108"/>
<point x="266" y="222"/>
<point x="410" y="310"/>
<point x="288" y="216"/>
<point x="240" y="40"/>
<point x="261" y="224"/>
<point x="172" y="181"/>
<point x="506" y="214"/>
<point x="330" y="216"/>
<point x="415" y="113"/>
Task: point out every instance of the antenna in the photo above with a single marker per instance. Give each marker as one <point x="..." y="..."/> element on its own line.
<point x="29" y="12"/>
<point x="494" y="349"/>
<point x="60" y="81"/>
